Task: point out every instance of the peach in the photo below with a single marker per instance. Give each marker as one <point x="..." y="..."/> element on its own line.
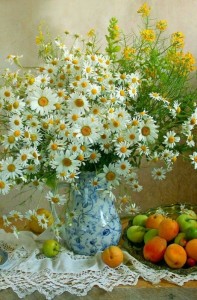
<point x="154" y="220"/>
<point x="112" y="256"/>
<point x="175" y="256"/>
<point x="168" y="229"/>
<point x="191" y="249"/>
<point x="154" y="249"/>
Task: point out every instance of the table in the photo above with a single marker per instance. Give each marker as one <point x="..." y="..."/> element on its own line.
<point x="142" y="290"/>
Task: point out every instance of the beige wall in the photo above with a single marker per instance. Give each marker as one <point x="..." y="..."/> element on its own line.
<point x="19" y="20"/>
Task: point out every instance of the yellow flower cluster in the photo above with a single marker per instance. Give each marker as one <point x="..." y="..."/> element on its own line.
<point x="183" y="61"/>
<point x="148" y="35"/>
<point x="178" y="39"/>
<point x="161" y="25"/>
<point x="128" y="52"/>
<point x="144" y="10"/>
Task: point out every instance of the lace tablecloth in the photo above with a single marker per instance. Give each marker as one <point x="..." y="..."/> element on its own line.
<point x="27" y="270"/>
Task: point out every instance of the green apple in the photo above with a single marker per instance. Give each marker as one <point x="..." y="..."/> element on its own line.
<point x="190" y="212"/>
<point x="140" y="220"/>
<point x="180" y="239"/>
<point x="191" y="233"/>
<point x="185" y="221"/>
<point x="136" y="233"/>
<point x="150" y="234"/>
<point x="50" y="248"/>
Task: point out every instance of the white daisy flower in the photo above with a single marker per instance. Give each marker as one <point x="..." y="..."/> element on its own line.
<point x="56" y="198"/>
<point x="65" y="162"/>
<point x="190" y="140"/>
<point x="94" y="91"/>
<point x="135" y="186"/>
<point x="132" y="91"/>
<point x="123" y="167"/>
<point x="170" y="139"/>
<point x="159" y="173"/>
<point x="193" y="158"/>
<point x="148" y="131"/>
<point x="132" y="209"/>
<point x="132" y="135"/>
<point x="11" y="168"/>
<point x="4" y="185"/>
<point x="16" y="215"/>
<point x="87" y="130"/>
<point x="134" y="79"/>
<point x="155" y="96"/>
<point x="123" y="149"/>
<point x="42" y="101"/>
<point x="78" y="103"/>
<point x="109" y="175"/>
<point x="143" y="149"/>
<point x="94" y="156"/>
<point x="16" y="121"/>
<point x="121" y="94"/>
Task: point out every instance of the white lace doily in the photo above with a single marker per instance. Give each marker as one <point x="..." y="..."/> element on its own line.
<point x="27" y="270"/>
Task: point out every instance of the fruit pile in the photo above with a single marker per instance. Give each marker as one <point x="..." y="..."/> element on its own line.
<point x="172" y="241"/>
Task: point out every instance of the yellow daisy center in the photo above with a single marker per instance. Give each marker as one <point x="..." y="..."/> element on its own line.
<point x="123" y="166"/>
<point x="79" y="102"/>
<point x="11" y="168"/>
<point x="93" y="155"/>
<point x="7" y="94"/>
<point x="110" y="176"/>
<point x="11" y="139"/>
<point x="55" y="199"/>
<point x="123" y="149"/>
<point x="94" y="91"/>
<point x="2" y="184"/>
<point x="43" y="101"/>
<point x="16" y="122"/>
<point x="145" y="131"/>
<point x="86" y="130"/>
<point x="54" y="146"/>
<point x="171" y="139"/>
<point x="66" y="162"/>
<point x="24" y="157"/>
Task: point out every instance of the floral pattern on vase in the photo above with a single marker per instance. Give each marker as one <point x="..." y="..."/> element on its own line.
<point x="95" y="223"/>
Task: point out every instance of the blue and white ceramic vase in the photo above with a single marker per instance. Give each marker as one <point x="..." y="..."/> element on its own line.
<point x="95" y="223"/>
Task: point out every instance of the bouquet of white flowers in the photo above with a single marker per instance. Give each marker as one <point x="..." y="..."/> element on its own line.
<point x="104" y="111"/>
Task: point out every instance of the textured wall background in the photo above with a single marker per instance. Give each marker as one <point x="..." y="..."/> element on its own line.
<point x="19" y="22"/>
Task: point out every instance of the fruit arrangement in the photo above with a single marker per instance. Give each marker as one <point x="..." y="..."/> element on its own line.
<point x="164" y="237"/>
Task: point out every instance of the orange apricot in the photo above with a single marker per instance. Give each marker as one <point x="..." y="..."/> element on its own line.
<point x="175" y="256"/>
<point x="154" y="220"/>
<point x="191" y="249"/>
<point x="112" y="256"/>
<point x="168" y="229"/>
<point x="154" y="249"/>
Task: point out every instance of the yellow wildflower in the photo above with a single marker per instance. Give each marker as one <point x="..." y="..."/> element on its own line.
<point x="128" y="51"/>
<point x="148" y="35"/>
<point x="177" y="39"/>
<point x="144" y="10"/>
<point x="91" y="33"/>
<point x="161" y="25"/>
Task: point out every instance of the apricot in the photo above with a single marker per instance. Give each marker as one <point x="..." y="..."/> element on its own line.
<point x="154" y="249"/>
<point x="112" y="256"/>
<point x="154" y="220"/>
<point x="168" y="229"/>
<point x="33" y="223"/>
<point x="175" y="256"/>
<point x="191" y="249"/>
